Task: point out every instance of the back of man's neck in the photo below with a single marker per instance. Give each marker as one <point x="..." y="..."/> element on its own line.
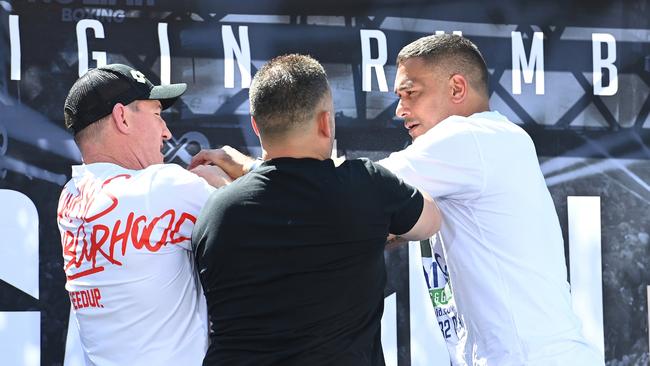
<point x="296" y="148"/>
<point x="91" y="158"/>
<point x="292" y="154"/>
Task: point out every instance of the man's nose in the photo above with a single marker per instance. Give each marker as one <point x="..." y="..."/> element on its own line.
<point x="167" y="134"/>
<point x="401" y="111"/>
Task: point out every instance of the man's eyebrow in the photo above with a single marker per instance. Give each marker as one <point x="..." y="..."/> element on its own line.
<point x="406" y="84"/>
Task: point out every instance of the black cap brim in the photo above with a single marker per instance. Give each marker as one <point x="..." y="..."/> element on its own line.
<point x="167" y="94"/>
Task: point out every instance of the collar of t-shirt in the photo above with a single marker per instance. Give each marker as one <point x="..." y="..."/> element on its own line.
<point x="492" y="115"/>
<point x="289" y="160"/>
<point x="488" y="115"/>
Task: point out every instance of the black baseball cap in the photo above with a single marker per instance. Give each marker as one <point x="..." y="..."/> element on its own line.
<point x="94" y="95"/>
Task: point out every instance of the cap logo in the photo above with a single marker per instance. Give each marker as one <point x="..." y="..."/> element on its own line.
<point x="138" y="76"/>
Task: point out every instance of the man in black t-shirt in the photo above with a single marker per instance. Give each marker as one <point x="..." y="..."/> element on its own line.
<point x="290" y="255"/>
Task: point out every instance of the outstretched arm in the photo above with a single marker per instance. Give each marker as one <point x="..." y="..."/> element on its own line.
<point x="428" y="223"/>
<point x="214" y="175"/>
<point x="233" y="162"/>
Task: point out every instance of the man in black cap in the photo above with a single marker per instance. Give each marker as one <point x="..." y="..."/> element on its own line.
<point x="125" y="220"/>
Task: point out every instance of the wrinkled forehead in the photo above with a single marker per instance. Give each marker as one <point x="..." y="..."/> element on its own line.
<point x="407" y="78"/>
<point x="403" y="82"/>
<point x="416" y="71"/>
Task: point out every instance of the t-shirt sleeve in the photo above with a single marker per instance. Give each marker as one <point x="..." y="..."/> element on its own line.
<point x="401" y="201"/>
<point x="183" y="192"/>
<point x="445" y="164"/>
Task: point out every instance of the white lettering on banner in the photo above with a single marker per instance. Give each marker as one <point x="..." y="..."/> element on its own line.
<point x="165" y="61"/>
<point x="19" y="242"/>
<point x="585" y="262"/>
<point x="519" y="61"/>
<point x="527" y="66"/>
<point x="368" y="63"/>
<point x="20" y="331"/>
<point x="458" y="33"/>
<point x="82" y="44"/>
<point x="21" y="338"/>
<point x="14" y="41"/>
<point x="597" y="40"/>
<point x="102" y="14"/>
<point x="243" y="54"/>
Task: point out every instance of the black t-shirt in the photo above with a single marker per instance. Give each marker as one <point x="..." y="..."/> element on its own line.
<point x="291" y="261"/>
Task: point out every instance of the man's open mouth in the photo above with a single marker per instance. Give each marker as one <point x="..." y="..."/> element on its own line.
<point x="409" y="125"/>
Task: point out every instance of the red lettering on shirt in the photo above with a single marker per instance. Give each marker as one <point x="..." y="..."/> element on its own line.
<point x="86" y="299"/>
<point x="92" y="240"/>
<point x="181" y="220"/>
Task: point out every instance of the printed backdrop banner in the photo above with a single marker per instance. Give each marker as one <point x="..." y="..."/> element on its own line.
<point x="575" y="75"/>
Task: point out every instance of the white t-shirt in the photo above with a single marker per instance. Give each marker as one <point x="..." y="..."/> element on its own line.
<point x="502" y="238"/>
<point x="129" y="266"/>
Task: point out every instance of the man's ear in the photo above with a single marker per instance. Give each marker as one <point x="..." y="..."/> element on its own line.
<point x="458" y="88"/>
<point x="119" y="119"/>
<point x="324" y="124"/>
<point x="254" y="125"/>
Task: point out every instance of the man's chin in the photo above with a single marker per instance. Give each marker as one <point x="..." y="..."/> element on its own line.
<point x="160" y="160"/>
<point x="414" y="134"/>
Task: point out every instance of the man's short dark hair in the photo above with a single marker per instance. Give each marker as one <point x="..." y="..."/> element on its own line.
<point x="285" y="93"/>
<point x="454" y="52"/>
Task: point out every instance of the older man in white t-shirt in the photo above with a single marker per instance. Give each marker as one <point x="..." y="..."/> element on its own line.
<point x="503" y="241"/>
<point x="125" y="220"/>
